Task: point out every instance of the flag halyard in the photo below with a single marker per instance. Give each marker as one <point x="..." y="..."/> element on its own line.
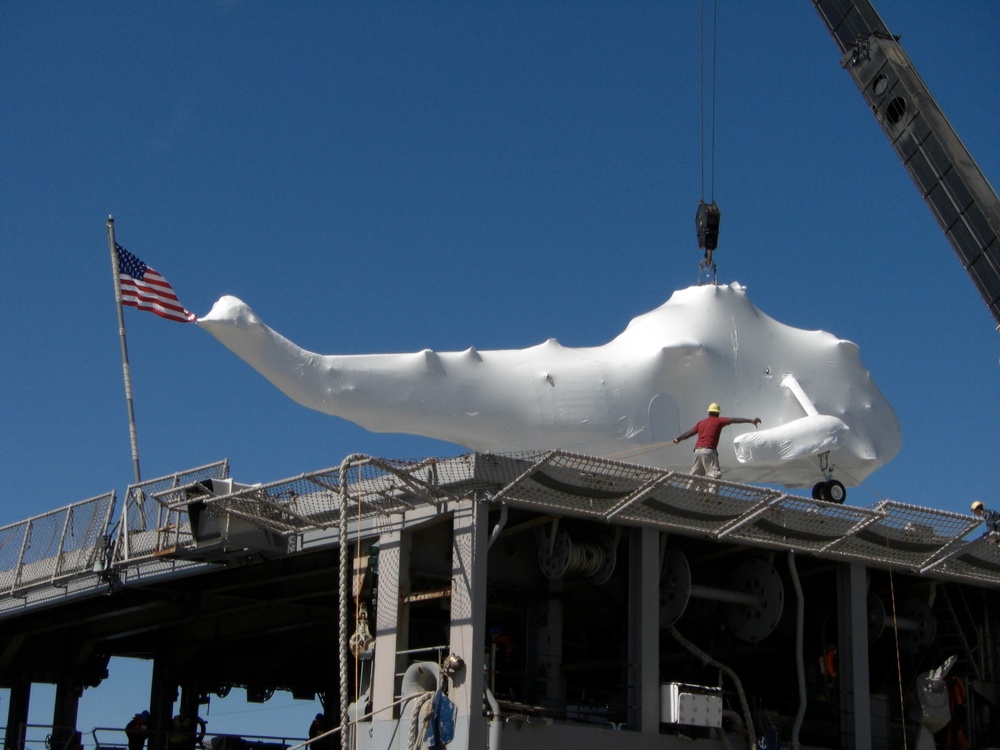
<point x="145" y="289"/>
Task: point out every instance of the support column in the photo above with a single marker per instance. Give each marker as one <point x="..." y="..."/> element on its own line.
<point x="17" y="715"/>
<point x="162" y="694"/>
<point x="467" y="636"/>
<point x="391" y="617"/>
<point x="550" y="648"/>
<point x="644" y="631"/>
<point x="64" y="713"/>
<point x="852" y="652"/>
<point x="189" y="701"/>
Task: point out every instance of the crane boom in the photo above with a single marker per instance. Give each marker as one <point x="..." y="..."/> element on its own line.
<point x="964" y="204"/>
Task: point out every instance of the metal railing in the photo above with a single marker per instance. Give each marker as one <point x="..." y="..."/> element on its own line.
<point x="40" y="737"/>
<point x="54" y="546"/>
<point x="76" y="540"/>
<point x="114" y="738"/>
<point x="147" y="526"/>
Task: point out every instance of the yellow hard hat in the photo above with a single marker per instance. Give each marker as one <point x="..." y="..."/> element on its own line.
<point x="714" y="407"/>
<point x="977" y="505"/>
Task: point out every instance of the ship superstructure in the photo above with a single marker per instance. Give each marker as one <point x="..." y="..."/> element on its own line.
<point x="523" y="600"/>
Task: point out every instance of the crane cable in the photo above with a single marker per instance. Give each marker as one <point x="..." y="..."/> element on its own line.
<point x="715" y="26"/>
<point x="708" y="216"/>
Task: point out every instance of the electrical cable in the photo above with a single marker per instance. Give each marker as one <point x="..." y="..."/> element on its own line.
<point x="708" y="216"/>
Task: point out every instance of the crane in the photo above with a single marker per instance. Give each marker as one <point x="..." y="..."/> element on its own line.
<point x="962" y="201"/>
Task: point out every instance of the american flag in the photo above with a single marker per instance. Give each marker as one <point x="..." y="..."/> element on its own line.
<point x="144" y="288"/>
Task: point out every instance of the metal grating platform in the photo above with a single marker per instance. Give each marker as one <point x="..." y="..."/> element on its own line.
<point x="906" y="535"/>
<point x="890" y="534"/>
<point x="65" y="545"/>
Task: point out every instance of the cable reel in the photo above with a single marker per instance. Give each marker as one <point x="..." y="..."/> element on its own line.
<point x="755" y="596"/>
<point x="914" y="621"/>
<point x="560" y="556"/>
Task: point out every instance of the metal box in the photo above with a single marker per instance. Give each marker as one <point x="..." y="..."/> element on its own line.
<point x="219" y="534"/>
<point x="691" y="705"/>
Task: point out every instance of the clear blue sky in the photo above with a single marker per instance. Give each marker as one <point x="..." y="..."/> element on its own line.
<point x="390" y="176"/>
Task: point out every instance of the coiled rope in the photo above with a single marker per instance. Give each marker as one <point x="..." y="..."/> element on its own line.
<point x="586" y="559"/>
<point x="420" y="715"/>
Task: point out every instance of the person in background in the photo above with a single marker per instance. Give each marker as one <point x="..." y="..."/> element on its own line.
<point x="991" y="517"/>
<point x="137" y="730"/>
<point x="320" y="725"/>
<point x="706" y="447"/>
<point x="187" y="732"/>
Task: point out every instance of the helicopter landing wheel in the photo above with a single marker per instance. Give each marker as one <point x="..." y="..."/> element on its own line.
<point x="831" y="491"/>
<point x="835" y="491"/>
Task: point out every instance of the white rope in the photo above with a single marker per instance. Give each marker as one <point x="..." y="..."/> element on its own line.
<point x="639" y="450"/>
<point x="420" y="715"/>
<point x="357" y="720"/>
<point x="344" y="583"/>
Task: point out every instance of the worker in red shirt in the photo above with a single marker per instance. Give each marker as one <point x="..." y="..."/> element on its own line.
<point x="708" y="430"/>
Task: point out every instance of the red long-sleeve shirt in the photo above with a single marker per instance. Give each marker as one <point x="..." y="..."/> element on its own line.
<point x="708" y="430"/>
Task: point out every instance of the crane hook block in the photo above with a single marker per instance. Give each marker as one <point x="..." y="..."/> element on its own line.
<point x="706" y="221"/>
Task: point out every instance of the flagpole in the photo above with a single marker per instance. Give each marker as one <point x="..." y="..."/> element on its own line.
<point x="133" y="435"/>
